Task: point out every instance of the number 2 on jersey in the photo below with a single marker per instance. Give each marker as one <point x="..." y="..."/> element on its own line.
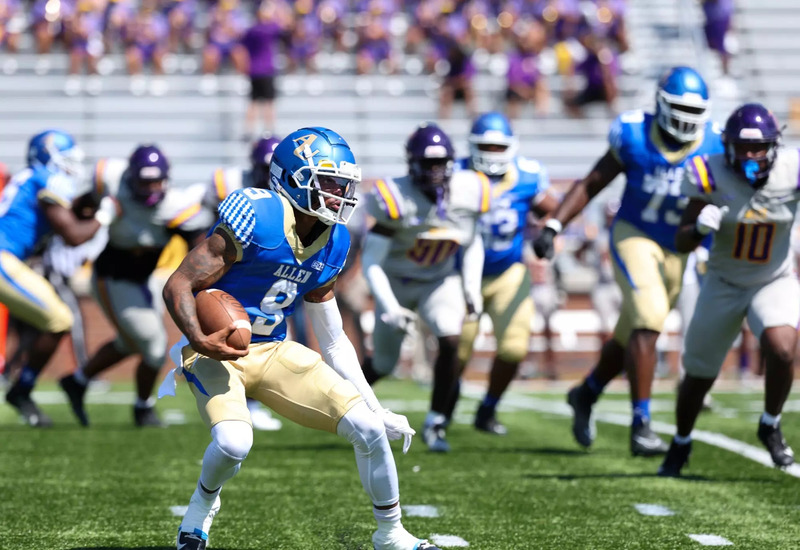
<point x="753" y="242"/>
<point x="279" y="296"/>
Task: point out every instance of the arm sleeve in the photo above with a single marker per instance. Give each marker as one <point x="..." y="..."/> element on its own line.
<point x="374" y="252"/>
<point x="472" y="272"/>
<point x="337" y="350"/>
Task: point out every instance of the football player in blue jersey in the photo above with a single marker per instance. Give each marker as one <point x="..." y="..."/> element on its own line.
<point x="35" y="204"/>
<point x="518" y="187"/>
<point x="653" y="151"/>
<point x="267" y="266"/>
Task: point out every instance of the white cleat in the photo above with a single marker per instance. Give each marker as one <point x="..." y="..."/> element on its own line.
<point x="196" y="523"/>
<point x="263" y="420"/>
<point x="399" y="539"/>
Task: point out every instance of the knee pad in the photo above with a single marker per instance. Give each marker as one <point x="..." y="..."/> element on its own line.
<point x="234" y="438"/>
<point x="362" y="428"/>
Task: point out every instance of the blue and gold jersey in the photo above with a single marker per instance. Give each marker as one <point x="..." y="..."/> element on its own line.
<point x="503" y="226"/>
<point x="23" y="225"/>
<point x="652" y="201"/>
<point x="274" y="269"/>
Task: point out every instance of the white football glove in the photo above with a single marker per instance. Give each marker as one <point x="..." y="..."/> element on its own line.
<point x="710" y="217"/>
<point x="397" y="426"/>
<point x="108" y="211"/>
<point x="401" y="318"/>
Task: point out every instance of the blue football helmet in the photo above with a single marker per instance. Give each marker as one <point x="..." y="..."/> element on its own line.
<point x="309" y="157"/>
<point x="682" y="105"/>
<point x="492" y="144"/>
<point x="56" y="151"/>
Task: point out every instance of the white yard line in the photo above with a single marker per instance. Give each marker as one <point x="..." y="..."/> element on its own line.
<point x="711" y="540"/>
<point x="653" y="510"/>
<point x="420" y="510"/>
<point x="560" y="408"/>
<point x="448" y="540"/>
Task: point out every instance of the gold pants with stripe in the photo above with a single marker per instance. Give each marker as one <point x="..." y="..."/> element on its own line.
<point x="29" y="297"/>
<point x="287" y="377"/>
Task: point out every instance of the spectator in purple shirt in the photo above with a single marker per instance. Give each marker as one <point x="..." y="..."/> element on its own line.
<point x="116" y="17"/>
<point x="303" y="39"/>
<point x="12" y="23"/>
<point x="85" y="36"/>
<point x="603" y="35"/>
<point x="181" y="15"/>
<point x="718" y="22"/>
<point x="525" y="82"/>
<point x="374" y="46"/>
<point x="49" y="26"/>
<point x="261" y="44"/>
<point x="226" y="27"/>
<point x="146" y="40"/>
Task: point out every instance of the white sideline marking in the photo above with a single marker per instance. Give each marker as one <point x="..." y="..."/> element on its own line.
<point x="178" y="511"/>
<point x="448" y="540"/>
<point x="711" y="540"/>
<point x="173" y="417"/>
<point x="750" y="452"/>
<point x="100" y="398"/>
<point x="420" y="510"/>
<point x="653" y="510"/>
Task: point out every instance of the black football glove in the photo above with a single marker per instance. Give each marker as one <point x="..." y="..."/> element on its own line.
<point x="543" y="245"/>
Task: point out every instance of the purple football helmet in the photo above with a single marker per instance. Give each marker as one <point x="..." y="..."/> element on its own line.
<point x="260" y="159"/>
<point x="751" y="124"/>
<point x="430" y="157"/>
<point x="148" y="171"/>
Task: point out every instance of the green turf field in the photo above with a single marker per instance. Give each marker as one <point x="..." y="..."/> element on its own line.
<point x="112" y="486"/>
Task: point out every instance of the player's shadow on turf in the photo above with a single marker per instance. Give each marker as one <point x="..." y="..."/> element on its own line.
<point x="640" y="475"/>
<point x="549" y="451"/>
<point x="133" y="548"/>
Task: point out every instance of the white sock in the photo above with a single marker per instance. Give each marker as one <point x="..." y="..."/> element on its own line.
<point x="388" y="519"/>
<point x="770" y="420"/>
<point x="376" y="467"/>
<point x="231" y="441"/>
<point x="148" y="403"/>
<point x="682" y="440"/>
<point x="433" y="418"/>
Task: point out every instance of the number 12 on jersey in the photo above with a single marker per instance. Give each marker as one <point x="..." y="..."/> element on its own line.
<point x="753" y="242"/>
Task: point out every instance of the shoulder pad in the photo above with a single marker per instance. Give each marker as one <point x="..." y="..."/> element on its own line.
<point x="385" y="202"/>
<point x="700" y="174"/>
<point x="474" y="190"/>
<point x="107" y="176"/>
<point x="225" y="181"/>
<point x="57" y="188"/>
<point x="242" y="211"/>
<point x="461" y="164"/>
<point x="182" y="208"/>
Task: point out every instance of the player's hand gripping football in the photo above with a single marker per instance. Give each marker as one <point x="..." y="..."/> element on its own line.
<point x="402" y="319"/>
<point x="709" y="218"/>
<point x="397" y="426"/>
<point x="215" y="345"/>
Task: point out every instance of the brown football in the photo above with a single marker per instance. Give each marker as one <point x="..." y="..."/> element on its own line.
<point x="216" y="309"/>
